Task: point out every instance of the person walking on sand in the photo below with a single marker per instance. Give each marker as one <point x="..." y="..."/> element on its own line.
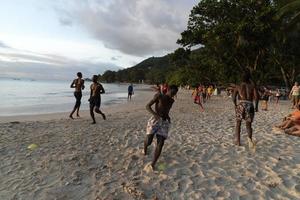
<point x="295" y="93"/>
<point x="277" y="96"/>
<point x="130" y="91"/>
<point x="95" y="98"/>
<point x="159" y="123"/>
<point x="247" y="92"/>
<point x="78" y="84"/>
<point x="265" y="99"/>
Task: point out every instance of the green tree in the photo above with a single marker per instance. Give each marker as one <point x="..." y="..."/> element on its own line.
<point x="237" y="33"/>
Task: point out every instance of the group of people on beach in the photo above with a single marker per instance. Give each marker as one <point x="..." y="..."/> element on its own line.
<point x="159" y="123"/>
<point x="243" y="96"/>
<point x="201" y="94"/>
<point x="95" y="96"/>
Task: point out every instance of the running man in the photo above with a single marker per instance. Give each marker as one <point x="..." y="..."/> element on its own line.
<point x="78" y="84"/>
<point x="245" y="108"/>
<point x="159" y="123"/>
<point x="130" y="91"/>
<point x="95" y="98"/>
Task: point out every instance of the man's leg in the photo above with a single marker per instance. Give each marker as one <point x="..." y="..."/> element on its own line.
<point x="78" y="103"/>
<point x="249" y="129"/>
<point x="158" y="149"/>
<point x="147" y="142"/>
<point x="237" y="132"/>
<point x="71" y="114"/>
<point x="74" y="109"/>
<point x="92" y="113"/>
<point x="97" y="110"/>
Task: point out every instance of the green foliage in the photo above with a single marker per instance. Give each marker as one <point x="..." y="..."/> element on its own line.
<point x="228" y="37"/>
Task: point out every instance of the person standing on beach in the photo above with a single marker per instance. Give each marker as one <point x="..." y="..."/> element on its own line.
<point x="95" y="98"/>
<point x="130" y="91"/>
<point x="265" y="99"/>
<point x="277" y="95"/>
<point x="159" y="123"/>
<point x="295" y="93"/>
<point x="247" y="93"/>
<point x="78" y="84"/>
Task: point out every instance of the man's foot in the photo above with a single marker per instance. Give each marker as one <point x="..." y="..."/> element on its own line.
<point x="153" y="166"/>
<point x="250" y="143"/>
<point x="71" y="116"/>
<point x="237" y="143"/>
<point x="103" y="115"/>
<point x="93" y="123"/>
<point x="78" y="115"/>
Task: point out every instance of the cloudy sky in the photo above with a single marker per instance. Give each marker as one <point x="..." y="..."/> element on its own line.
<point x="53" y="39"/>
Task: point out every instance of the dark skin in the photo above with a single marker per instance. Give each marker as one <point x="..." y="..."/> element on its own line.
<point x="78" y="84"/>
<point x="163" y="104"/>
<point x="96" y="90"/>
<point x="248" y="92"/>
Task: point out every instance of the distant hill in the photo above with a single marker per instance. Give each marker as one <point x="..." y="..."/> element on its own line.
<point x="150" y="70"/>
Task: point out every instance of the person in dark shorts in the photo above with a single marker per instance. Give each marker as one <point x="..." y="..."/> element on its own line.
<point x="244" y="110"/>
<point x="78" y="84"/>
<point x="159" y="123"/>
<point x="277" y="95"/>
<point x="95" y="98"/>
<point x="130" y="91"/>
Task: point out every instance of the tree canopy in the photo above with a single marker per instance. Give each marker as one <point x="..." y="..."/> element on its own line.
<point x="227" y="38"/>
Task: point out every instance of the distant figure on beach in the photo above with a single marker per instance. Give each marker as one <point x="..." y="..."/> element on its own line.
<point x="210" y="91"/>
<point x="277" y="96"/>
<point x="130" y="91"/>
<point x="95" y="98"/>
<point x="295" y="93"/>
<point x="159" y="123"/>
<point x="78" y="84"/>
<point x="197" y="95"/>
<point x="244" y="110"/>
<point x="265" y="99"/>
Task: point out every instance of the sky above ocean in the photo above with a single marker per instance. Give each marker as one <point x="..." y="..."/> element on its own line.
<point x="53" y="39"/>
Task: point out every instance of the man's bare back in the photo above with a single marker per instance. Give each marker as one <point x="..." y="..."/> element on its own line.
<point x="245" y="92"/>
<point x="163" y="104"/>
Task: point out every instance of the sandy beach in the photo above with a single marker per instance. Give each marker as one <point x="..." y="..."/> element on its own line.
<point x="77" y="160"/>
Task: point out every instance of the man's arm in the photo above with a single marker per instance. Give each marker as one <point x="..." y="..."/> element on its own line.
<point x="149" y="108"/>
<point x="102" y="91"/>
<point x="256" y="98"/>
<point x="72" y="84"/>
<point x="168" y="117"/>
<point x="82" y="86"/>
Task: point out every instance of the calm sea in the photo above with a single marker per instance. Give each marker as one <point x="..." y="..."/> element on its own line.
<point x="25" y="97"/>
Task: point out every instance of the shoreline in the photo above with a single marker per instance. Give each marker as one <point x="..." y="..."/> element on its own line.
<point x="139" y="96"/>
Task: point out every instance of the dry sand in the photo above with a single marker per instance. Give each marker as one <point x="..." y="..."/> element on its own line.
<point x="77" y="160"/>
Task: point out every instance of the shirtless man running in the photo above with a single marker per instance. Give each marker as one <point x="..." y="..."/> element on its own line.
<point x="78" y="84"/>
<point x="95" y="98"/>
<point x="247" y="93"/>
<point x="158" y="124"/>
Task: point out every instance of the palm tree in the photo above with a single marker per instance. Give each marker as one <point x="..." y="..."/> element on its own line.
<point x="292" y="9"/>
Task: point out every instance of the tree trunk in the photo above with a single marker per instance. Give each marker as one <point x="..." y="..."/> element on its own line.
<point x="284" y="76"/>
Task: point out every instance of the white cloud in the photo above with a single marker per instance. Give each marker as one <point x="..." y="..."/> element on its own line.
<point x="134" y="27"/>
<point x="17" y="63"/>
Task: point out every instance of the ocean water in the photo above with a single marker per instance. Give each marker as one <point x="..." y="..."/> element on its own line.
<point x="26" y="97"/>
